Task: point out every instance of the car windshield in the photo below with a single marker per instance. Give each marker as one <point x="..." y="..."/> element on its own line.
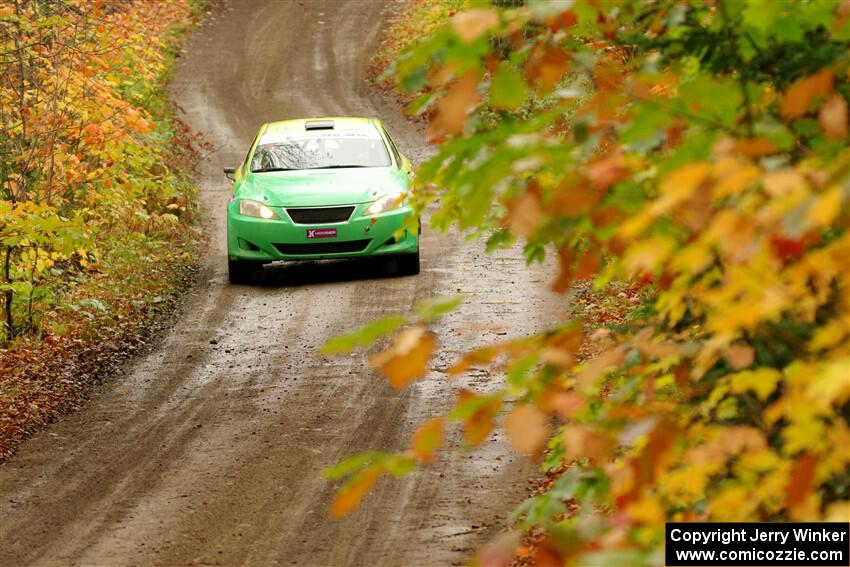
<point x="320" y="149"/>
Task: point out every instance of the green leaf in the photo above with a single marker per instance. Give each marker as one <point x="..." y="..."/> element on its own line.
<point x="466" y="409"/>
<point x="364" y="336"/>
<point x="95" y="304"/>
<point x="415" y="80"/>
<point x="399" y="465"/>
<point x="436" y="307"/>
<point x="499" y="239"/>
<point x="351" y="465"/>
<point x="508" y="90"/>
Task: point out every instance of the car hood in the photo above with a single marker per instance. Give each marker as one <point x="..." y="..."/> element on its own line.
<point x="321" y="187"/>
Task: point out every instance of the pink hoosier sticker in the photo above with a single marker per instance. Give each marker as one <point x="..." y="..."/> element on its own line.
<point x="321" y="232"/>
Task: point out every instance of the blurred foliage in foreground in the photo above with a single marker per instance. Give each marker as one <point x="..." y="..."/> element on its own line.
<point x="699" y="148"/>
<point x="92" y="201"/>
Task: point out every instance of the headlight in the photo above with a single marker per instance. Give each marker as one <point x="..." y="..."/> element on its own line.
<point x="385" y="203"/>
<point x="255" y="209"/>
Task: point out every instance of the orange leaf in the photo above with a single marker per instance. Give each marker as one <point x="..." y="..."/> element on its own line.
<point x="575" y="198"/>
<point x="471" y="24"/>
<point x="566" y="404"/>
<point x="802" y="480"/>
<point x="527" y="428"/>
<point x="567" y="18"/>
<point x="560" y="349"/>
<point x="499" y="552"/>
<point x="588" y="265"/>
<point x="739" y="356"/>
<point x="652" y="459"/>
<point x="833" y="117"/>
<point x="546" y="66"/>
<point x="453" y="108"/>
<point x="565" y="273"/>
<point x="600" y="364"/>
<point x="754" y="147"/>
<point x="799" y="96"/>
<point x="483" y="355"/>
<point x="582" y="441"/>
<point x="479" y="425"/>
<point x="525" y="214"/>
<point x="427" y="439"/>
<point x="606" y="172"/>
<point x="406" y="360"/>
<point x="349" y="496"/>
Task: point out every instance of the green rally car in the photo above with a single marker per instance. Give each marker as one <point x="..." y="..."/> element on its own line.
<point x="320" y="188"/>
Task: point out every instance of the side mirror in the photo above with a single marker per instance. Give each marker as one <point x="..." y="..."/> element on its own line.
<point x="407" y="167"/>
<point x="230" y="172"/>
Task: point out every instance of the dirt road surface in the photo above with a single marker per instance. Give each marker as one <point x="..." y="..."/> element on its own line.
<point x="208" y="451"/>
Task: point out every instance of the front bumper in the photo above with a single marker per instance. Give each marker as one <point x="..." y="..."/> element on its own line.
<point x="251" y="238"/>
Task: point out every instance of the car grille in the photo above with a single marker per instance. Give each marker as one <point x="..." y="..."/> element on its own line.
<point x="320" y="215"/>
<point x="324" y="247"/>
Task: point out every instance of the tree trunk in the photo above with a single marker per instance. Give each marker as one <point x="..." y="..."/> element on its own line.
<point x="9" y="295"/>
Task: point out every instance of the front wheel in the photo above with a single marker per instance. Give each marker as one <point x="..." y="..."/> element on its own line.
<point x="408" y="264"/>
<point x="241" y="271"/>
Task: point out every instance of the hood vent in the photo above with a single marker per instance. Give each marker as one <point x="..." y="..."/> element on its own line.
<point x="319" y="125"/>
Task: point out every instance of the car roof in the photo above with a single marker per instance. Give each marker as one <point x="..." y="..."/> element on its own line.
<point x="339" y="123"/>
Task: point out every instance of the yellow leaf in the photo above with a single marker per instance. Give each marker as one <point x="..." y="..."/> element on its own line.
<point x="687" y="483"/>
<point x="647" y="510"/>
<point x="833" y="462"/>
<point x="349" y="496"/>
<point x="406" y="360"/>
<point x="784" y="181"/>
<point x="734" y="176"/>
<point x="427" y="439"/>
<point x="830" y="334"/>
<point x="805" y="433"/>
<point x="686" y="179"/>
<point x="825" y="209"/>
<point x="837" y="512"/>
<point x="527" y="428"/>
<point x="758" y="460"/>
<point x="831" y="383"/>
<point x="734" y="503"/>
<point x="471" y="24"/>
<point x="762" y="381"/>
<point x="693" y="258"/>
<point x="648" y="255"/>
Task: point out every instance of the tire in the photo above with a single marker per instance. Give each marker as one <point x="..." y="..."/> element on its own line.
<point x="408" y="264"/>
<point x="241" y="271"/>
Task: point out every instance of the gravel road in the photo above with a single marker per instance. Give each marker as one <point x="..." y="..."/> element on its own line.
<point x="208" y="450"/>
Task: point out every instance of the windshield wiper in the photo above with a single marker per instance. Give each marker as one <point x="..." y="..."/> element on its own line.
<point x="267" y="169"/>
<point x="336" y="166"/>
